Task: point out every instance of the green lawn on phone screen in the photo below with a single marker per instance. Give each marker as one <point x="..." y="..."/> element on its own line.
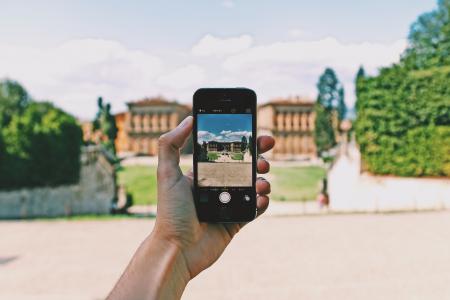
<point x="288" y="183"/>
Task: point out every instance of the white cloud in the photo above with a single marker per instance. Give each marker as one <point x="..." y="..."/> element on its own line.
<point x="228" y="3"/>
<point x="210" y="45"/>
<point x="76" y="72"/>
<point x="225" y="131"/>
<point x="206" y="136"/>
<point x="296" y="33"/>
<point x="323" y="52"/>
<point x="184" y="77"/>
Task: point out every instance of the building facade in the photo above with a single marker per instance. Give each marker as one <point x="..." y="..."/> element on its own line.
<point x="291" y="122"/>
<point x="140" y="127"/>
<point x="224" y="146"/>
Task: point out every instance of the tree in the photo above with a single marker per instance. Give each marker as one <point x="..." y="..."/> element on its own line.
<point x="41" y="148"/>
<point x="243" y="143"/>
<point x="429" y="39"/>
<point x="13" y="100"/>
<point x="106" y="123"/>
<point x="331" y="91"/>
<point x="323" y="131"/>
<point x="250" y="145"/>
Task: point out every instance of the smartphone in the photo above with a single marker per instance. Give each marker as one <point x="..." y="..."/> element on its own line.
<point x="225" y="155"/>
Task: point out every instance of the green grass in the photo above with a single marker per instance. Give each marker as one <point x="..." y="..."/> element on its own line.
<point x="140" y="182"/>
<point x="213" y="156"/>
<point x="237" y="156"/>
<point x="296" y="183"/>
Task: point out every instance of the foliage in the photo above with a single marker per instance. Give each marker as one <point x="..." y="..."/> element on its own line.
<point x="13" y="100"/>
<point x="429" y="39"/>
<point x="106" y="123"/>
<point x="250" y="145"/>
<point x="323" y="130"/>
<point x="202" y="152"/>
<point x="331" y="93"/>
<point x="41" y="147"/>
<point x="244" y="143"/>
<point x="403" y="121"/>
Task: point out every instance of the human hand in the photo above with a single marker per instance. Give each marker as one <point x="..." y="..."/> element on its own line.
<point x="200" y="244"/>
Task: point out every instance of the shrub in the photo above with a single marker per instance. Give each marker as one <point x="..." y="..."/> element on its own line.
<point x="41" y="147"/>
<point x="403" y="122"/>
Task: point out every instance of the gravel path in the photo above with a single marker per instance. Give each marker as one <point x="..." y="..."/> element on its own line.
<point x="394" y="256"/>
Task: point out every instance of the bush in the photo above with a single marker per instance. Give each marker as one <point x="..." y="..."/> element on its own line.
<point x="41" y="147"/>
<point x="403" y="121"/>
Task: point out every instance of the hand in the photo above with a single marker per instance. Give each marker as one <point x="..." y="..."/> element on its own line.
<point x="180" y="247"/>
<point x="200" y="244"/>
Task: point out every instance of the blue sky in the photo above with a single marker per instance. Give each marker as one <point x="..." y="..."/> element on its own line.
<point x="73" y="51"/>
<point x="223" y="127"/>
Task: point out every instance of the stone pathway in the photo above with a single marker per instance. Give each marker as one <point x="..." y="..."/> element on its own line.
<point x="393" y="256"/>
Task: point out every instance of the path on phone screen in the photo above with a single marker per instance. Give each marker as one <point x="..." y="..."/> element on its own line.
<point x="224" y="174"/>
<point x="360" y="256"/>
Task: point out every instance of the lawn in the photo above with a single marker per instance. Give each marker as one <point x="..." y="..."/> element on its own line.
<point x="237" y="156"/>
<point x="296" y="183"/>
<point x="140" y="182"/>
<point x="212" y="156"/>
<point x="288" y="183"/>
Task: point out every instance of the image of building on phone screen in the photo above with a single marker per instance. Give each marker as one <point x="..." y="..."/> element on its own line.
<point x="224" y="151"/>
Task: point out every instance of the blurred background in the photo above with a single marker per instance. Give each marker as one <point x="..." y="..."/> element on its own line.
<point x="355" y="93"/>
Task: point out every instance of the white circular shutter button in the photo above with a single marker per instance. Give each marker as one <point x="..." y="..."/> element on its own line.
<point x="225" y="197"/>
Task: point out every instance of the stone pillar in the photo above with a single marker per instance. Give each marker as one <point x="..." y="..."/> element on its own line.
<point x="173" y="122"/>
<point x="280" y="144"/>
<point x="280" y="122"/>
<point x="146" y="123"/>
<point x="164" y="122"/>
<point x="296" y="144"/>
<point x="304" y="122"/>
<point x="137" y="123"/>
<point x="155" y="125"/>
<point x="128" y="122"/>
<point x="296" y="121"/>
<point x="288" y="122"/>
<point x="312" y="120"/>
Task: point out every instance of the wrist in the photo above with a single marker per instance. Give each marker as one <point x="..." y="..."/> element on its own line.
<point x="174" y="264"/>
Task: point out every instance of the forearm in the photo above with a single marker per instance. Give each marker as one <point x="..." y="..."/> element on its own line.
<point x="157" y="271"/>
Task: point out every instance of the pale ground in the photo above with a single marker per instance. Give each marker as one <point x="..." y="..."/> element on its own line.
<point x="224" y="174"/>
<point x="394" y="256"/>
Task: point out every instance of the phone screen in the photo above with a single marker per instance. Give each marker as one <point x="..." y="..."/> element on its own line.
<point x="224" y="155"/>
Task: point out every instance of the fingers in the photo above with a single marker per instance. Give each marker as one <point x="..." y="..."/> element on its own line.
<point x="265" y="143"/>
<point x="262" y="165"/>
<point x="262" y="186"/>
<point x="262" y="202"/>
<point x="169" y="147"/>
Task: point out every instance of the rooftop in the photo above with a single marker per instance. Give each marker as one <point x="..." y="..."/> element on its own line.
<point x="290" y="101"/>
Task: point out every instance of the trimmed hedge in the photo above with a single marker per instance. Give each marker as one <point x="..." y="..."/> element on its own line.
<point x="40" y="147"/>
<point x="403" y="122"/>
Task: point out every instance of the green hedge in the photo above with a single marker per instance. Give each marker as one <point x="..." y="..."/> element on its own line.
<point x="403" y="122"/>
<point x="40" y="147"/>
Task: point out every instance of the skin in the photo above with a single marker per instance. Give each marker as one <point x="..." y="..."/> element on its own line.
<point x="180" y="247"/>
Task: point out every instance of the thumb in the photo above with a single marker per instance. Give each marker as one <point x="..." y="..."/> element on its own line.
<point x="169" y="146"/>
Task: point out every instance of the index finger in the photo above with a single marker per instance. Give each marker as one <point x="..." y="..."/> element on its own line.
<point x="265" y="143"/>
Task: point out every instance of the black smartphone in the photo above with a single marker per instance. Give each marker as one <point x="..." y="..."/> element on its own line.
<point x="225" y="155"/>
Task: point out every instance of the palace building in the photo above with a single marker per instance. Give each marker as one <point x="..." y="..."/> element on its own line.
<point x="224" y="146"/>
<point x="291" y="122"/>
<point x="140" y="127"/>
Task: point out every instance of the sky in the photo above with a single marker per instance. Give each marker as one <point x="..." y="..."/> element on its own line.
<point x="223" y="127"/>
<point x="71" y="52"/>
